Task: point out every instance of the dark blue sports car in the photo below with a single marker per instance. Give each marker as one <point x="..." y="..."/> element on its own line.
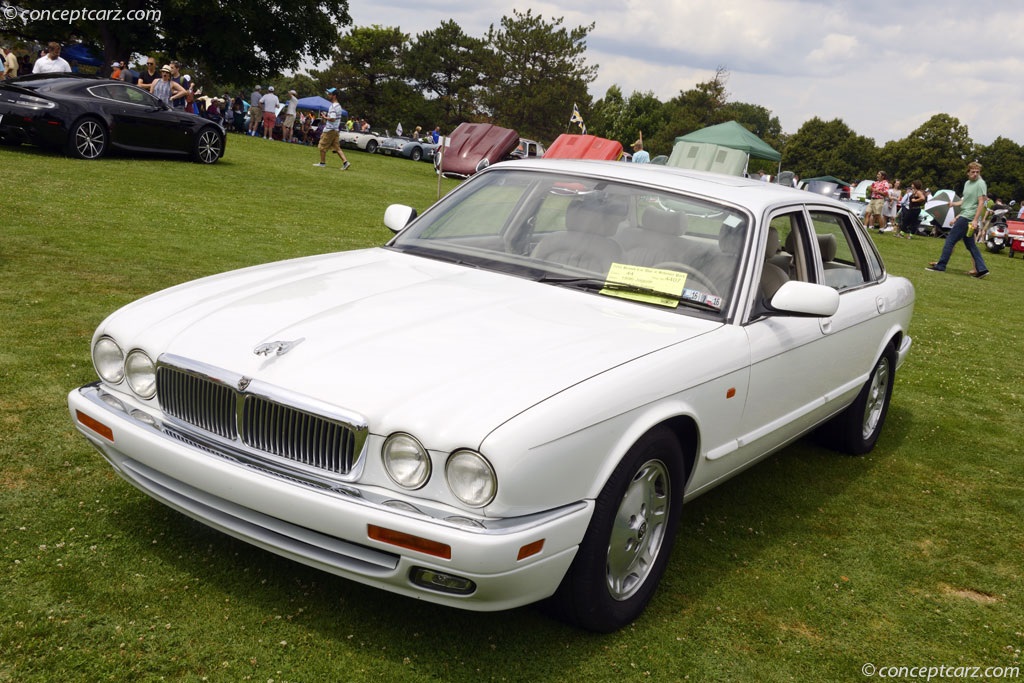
<point x="86" y="117"/>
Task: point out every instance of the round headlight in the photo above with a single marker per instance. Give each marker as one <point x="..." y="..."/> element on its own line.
<point x="108" y="358"/>
<point x="406" y="461"/>
<point x="141" y="373"/>
<point x="471" y="478"/>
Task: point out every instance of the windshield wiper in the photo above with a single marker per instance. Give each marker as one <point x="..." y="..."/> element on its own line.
<point x="689" y="297"/>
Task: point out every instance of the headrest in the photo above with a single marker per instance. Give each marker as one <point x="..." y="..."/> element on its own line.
<point x="828" y="245"/>
<point x="665" y="222"/>
<point x="771" y="247"/>
<point x="596" y="218"/>
<point x="730" y="239"/>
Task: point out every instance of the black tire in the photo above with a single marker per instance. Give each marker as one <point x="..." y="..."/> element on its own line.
<point x="627" y="546"/>
<point x="209" y="147"/>
<point x="856" y="429"/>
<point x="88" y="139"/>
<point x="417" y="153"/>
<point x="371" y="146"/>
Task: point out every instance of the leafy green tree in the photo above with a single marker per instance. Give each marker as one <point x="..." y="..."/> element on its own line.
<point x="238" y="41"/>
<point x="449" y="67"/>
<point x="367" y="68"/>
<point x="1003" y="168"/>
<point x="829" y="148"/>
<point x="625" y="120"/>
<point x="936" y="153"/>
<point x="537" y="71"/>
<point x="693" y="109"/>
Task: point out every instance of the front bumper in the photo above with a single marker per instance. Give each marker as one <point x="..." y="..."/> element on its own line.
<point x="329" y="528"/>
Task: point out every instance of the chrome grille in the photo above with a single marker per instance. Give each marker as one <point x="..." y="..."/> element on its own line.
<point x="262" y="424"/>
<point x="198" y="401"/>
<point x="297" y="435"/>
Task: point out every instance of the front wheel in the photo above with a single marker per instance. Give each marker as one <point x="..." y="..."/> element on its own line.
<point x="627" y="546"/>
<point x="856" y="429"/>
<point x="88" y="139"/>
<point x="209" y="146"/>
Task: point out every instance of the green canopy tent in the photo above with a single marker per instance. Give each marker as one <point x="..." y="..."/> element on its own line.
<point x="726" y="147"/>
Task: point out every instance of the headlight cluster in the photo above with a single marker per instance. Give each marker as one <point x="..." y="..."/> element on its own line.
<point x="114" y="367"/>
<point x="470" y="477"/>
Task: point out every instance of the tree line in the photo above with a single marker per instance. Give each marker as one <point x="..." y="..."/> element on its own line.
<point x="525" y="73"/>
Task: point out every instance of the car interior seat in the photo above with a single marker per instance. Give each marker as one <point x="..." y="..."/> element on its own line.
<point x="586" y="242"/>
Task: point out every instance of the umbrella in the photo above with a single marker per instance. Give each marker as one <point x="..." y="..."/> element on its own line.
<point x="941" y="212"/>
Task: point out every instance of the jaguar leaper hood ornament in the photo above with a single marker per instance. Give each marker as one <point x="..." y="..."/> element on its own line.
<point x="278" y="348"/>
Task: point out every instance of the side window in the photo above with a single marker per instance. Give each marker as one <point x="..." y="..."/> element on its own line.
<point x="792" y="254"/>
<point x="842" y="261"/>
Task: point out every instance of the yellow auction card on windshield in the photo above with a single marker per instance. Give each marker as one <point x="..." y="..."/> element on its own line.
<point x="623" y="278"/>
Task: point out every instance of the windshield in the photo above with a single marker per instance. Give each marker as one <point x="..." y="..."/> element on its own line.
<point x="617" y="239"/>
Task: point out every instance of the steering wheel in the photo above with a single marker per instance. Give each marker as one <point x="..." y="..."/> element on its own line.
<point x="691" y="272"/>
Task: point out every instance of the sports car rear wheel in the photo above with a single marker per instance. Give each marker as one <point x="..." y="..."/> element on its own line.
<point x="630" y="538"/>
<point x="371" y="146"/>
<point x="88" y="139"/>
<point x="417" y="154"/>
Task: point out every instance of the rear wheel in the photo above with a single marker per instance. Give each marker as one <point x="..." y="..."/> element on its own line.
<point x="417" y="153"/>
<point x="627" y="546"/>
<point x="856" y="429"/>
<point x="209" y="146"/>
<point x="88" y="139"/>
<point x="371" y="146"/>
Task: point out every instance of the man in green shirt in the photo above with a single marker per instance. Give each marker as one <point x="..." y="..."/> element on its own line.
<point x="971" y="209"/>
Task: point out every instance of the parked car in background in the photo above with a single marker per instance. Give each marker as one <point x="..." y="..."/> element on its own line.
<point x="417" y="150"/>
<point x="527" y="149"/>
<point x="595" y="343"/>
<point x="841" y="189"/>
<point x="862" y="190"/>
<point x="472" y="147"/>
<point x="87" y="117"/>
<point x="367" y="142"/>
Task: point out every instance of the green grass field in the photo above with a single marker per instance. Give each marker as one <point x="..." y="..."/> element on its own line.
<point x="807" y="567"/>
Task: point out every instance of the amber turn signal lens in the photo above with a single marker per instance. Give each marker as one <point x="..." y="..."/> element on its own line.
<point x="408" y="541"/>
<point x="95" y="425"/>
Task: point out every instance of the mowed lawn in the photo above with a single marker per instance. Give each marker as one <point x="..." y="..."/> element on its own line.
<point x="809" y="567"/>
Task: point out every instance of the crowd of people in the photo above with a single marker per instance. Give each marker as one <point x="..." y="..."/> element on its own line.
<point x="895" y="209"/>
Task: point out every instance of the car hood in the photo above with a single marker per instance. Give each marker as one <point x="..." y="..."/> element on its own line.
<point x="407" y="342"/>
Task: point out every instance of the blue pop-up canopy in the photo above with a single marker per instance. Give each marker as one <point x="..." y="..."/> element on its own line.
<point x="317" y="103"/>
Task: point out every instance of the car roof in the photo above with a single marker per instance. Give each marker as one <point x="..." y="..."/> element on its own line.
<point x="753" y="194"/>
<point x="61" y="81"/>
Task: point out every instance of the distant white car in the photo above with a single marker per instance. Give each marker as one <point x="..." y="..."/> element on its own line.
<point x="512" y="399"/>
<point x="368" y="142"/>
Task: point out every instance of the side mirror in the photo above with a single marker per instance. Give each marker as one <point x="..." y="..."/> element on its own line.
<point x="805" y="298"/>
<point x="397" y="216"/>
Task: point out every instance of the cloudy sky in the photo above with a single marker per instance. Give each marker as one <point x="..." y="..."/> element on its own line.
<point x="882" y="66"/>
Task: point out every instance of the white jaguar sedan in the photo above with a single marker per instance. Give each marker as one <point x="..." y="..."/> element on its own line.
<point x="511" y="400"/>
